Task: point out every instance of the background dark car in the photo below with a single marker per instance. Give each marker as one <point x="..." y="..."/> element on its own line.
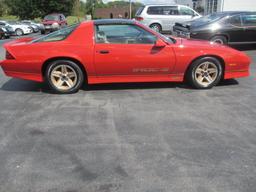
<point x="53" y="22"/>
<point x="7" y="32"/>
<point x="1" y="33"/>
<point x="223" y="27"/>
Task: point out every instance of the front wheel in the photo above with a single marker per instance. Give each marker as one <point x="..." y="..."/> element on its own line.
<point x="205" y="73"/>
<point x="19" y="32"/>
<point x="64" y="76"/>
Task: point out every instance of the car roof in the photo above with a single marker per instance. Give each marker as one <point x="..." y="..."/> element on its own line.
<point x="165" y="5"/>
<point x="233" y="12"/>
<point x="161" y="4"/>
<point x="55" y="14"/>
<point x="113" y="21"/>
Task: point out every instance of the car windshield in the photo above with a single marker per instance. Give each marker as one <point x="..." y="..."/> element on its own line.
<point x="51" y="17"/>
<point x="58" y="35"/>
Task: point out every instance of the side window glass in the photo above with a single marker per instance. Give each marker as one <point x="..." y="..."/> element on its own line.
<point x="171" y="10"/>
<point x="186" y="11"/>
<point x="249" y="20"/>
<point x="155" y="10"/>
<point x="123" y="34"/>
<point x="235" y="20"/>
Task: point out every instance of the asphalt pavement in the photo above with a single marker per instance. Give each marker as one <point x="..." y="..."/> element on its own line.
<point x="146" y="137"/>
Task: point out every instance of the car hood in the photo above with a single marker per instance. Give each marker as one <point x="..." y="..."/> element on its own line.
<point x="49" y="22"/>
<point x="194" y="24"/>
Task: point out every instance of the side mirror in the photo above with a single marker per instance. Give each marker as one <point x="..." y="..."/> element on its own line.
<point x="159" y="43"/>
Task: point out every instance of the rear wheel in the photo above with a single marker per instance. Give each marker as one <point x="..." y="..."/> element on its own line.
<point x="64" y="76"/>
<point x="205" y="73"/>
<point x="219" y="39"/>
<point x="156" y="27"/>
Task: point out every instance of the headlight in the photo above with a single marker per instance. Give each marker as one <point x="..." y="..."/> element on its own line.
<point x="55" y="25"/>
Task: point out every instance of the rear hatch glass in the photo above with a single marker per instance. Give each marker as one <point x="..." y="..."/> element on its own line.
<point x="139" y="11"/>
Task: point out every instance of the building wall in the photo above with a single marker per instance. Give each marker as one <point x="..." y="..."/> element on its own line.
<point x="238" y="5"/>
<point x="185" y="2"/>
<point x="229" y="5"/>
<point x="113" y="12"/>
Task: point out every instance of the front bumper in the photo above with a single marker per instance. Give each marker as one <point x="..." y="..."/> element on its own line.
<point x="182" y="34"/>
<point x="27" y="31"/>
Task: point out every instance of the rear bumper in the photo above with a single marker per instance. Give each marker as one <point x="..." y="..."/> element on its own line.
<point x="13" y="69"/>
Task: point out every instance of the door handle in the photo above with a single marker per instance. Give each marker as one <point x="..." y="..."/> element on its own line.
<point x="104" y="52"/>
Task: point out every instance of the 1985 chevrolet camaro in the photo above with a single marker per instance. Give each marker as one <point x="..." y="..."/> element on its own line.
<point x="113" y="51"/>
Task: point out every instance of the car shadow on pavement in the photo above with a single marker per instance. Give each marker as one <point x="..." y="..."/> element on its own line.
<point x="18" y="85"/>
<point x="126" y="86"/>
<point x="228" y="82"/>
<point x="158" y="85"/>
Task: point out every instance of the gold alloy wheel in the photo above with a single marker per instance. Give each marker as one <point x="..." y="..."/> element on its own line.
<point x="63" y="77"/>
<point x="206" y="73"/>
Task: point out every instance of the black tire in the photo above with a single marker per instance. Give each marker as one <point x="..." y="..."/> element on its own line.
<point x="19" y="32"/>
<point x="191" y="75"/>
<point x="79" y="73"/>
<point x="219" y="39"/>
<point x="42" y="32"/>
<point x="156" y="27"/>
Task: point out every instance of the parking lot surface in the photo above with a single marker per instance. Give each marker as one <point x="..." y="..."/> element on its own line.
<point x="146" y="137"/>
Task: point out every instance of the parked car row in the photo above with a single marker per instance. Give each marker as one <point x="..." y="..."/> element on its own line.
<point x="9" y="28"/>
<point x="50" y="23"/>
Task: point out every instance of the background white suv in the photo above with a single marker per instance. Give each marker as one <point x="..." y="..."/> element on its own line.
<point x="163" y="17"/>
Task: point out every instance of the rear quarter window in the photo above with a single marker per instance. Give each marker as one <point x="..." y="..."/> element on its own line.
<point x="58" y="35"/>
<point x="249" y="20"/>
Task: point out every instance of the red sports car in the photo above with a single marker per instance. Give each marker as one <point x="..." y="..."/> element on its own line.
<point x="113" y="51"/>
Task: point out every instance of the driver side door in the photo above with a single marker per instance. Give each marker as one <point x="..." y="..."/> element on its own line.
<point x="129" y="50"/>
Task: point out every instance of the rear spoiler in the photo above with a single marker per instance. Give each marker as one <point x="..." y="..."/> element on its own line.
<point x="18" y="41"/>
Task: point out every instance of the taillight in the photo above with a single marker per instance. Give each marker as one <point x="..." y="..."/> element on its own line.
<point x="8" y="55"/>
<point x="139" y="18"/>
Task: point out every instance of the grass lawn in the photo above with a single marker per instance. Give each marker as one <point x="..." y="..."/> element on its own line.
<point x="9" y="18"/>
<point x="74" y="19"/>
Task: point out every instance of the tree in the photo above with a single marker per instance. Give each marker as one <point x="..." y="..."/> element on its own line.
<point x="3" y="8"/>
<point x="29" y="9"/>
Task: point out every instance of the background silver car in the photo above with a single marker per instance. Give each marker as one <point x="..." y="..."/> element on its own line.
<point x="163" y="17"/>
